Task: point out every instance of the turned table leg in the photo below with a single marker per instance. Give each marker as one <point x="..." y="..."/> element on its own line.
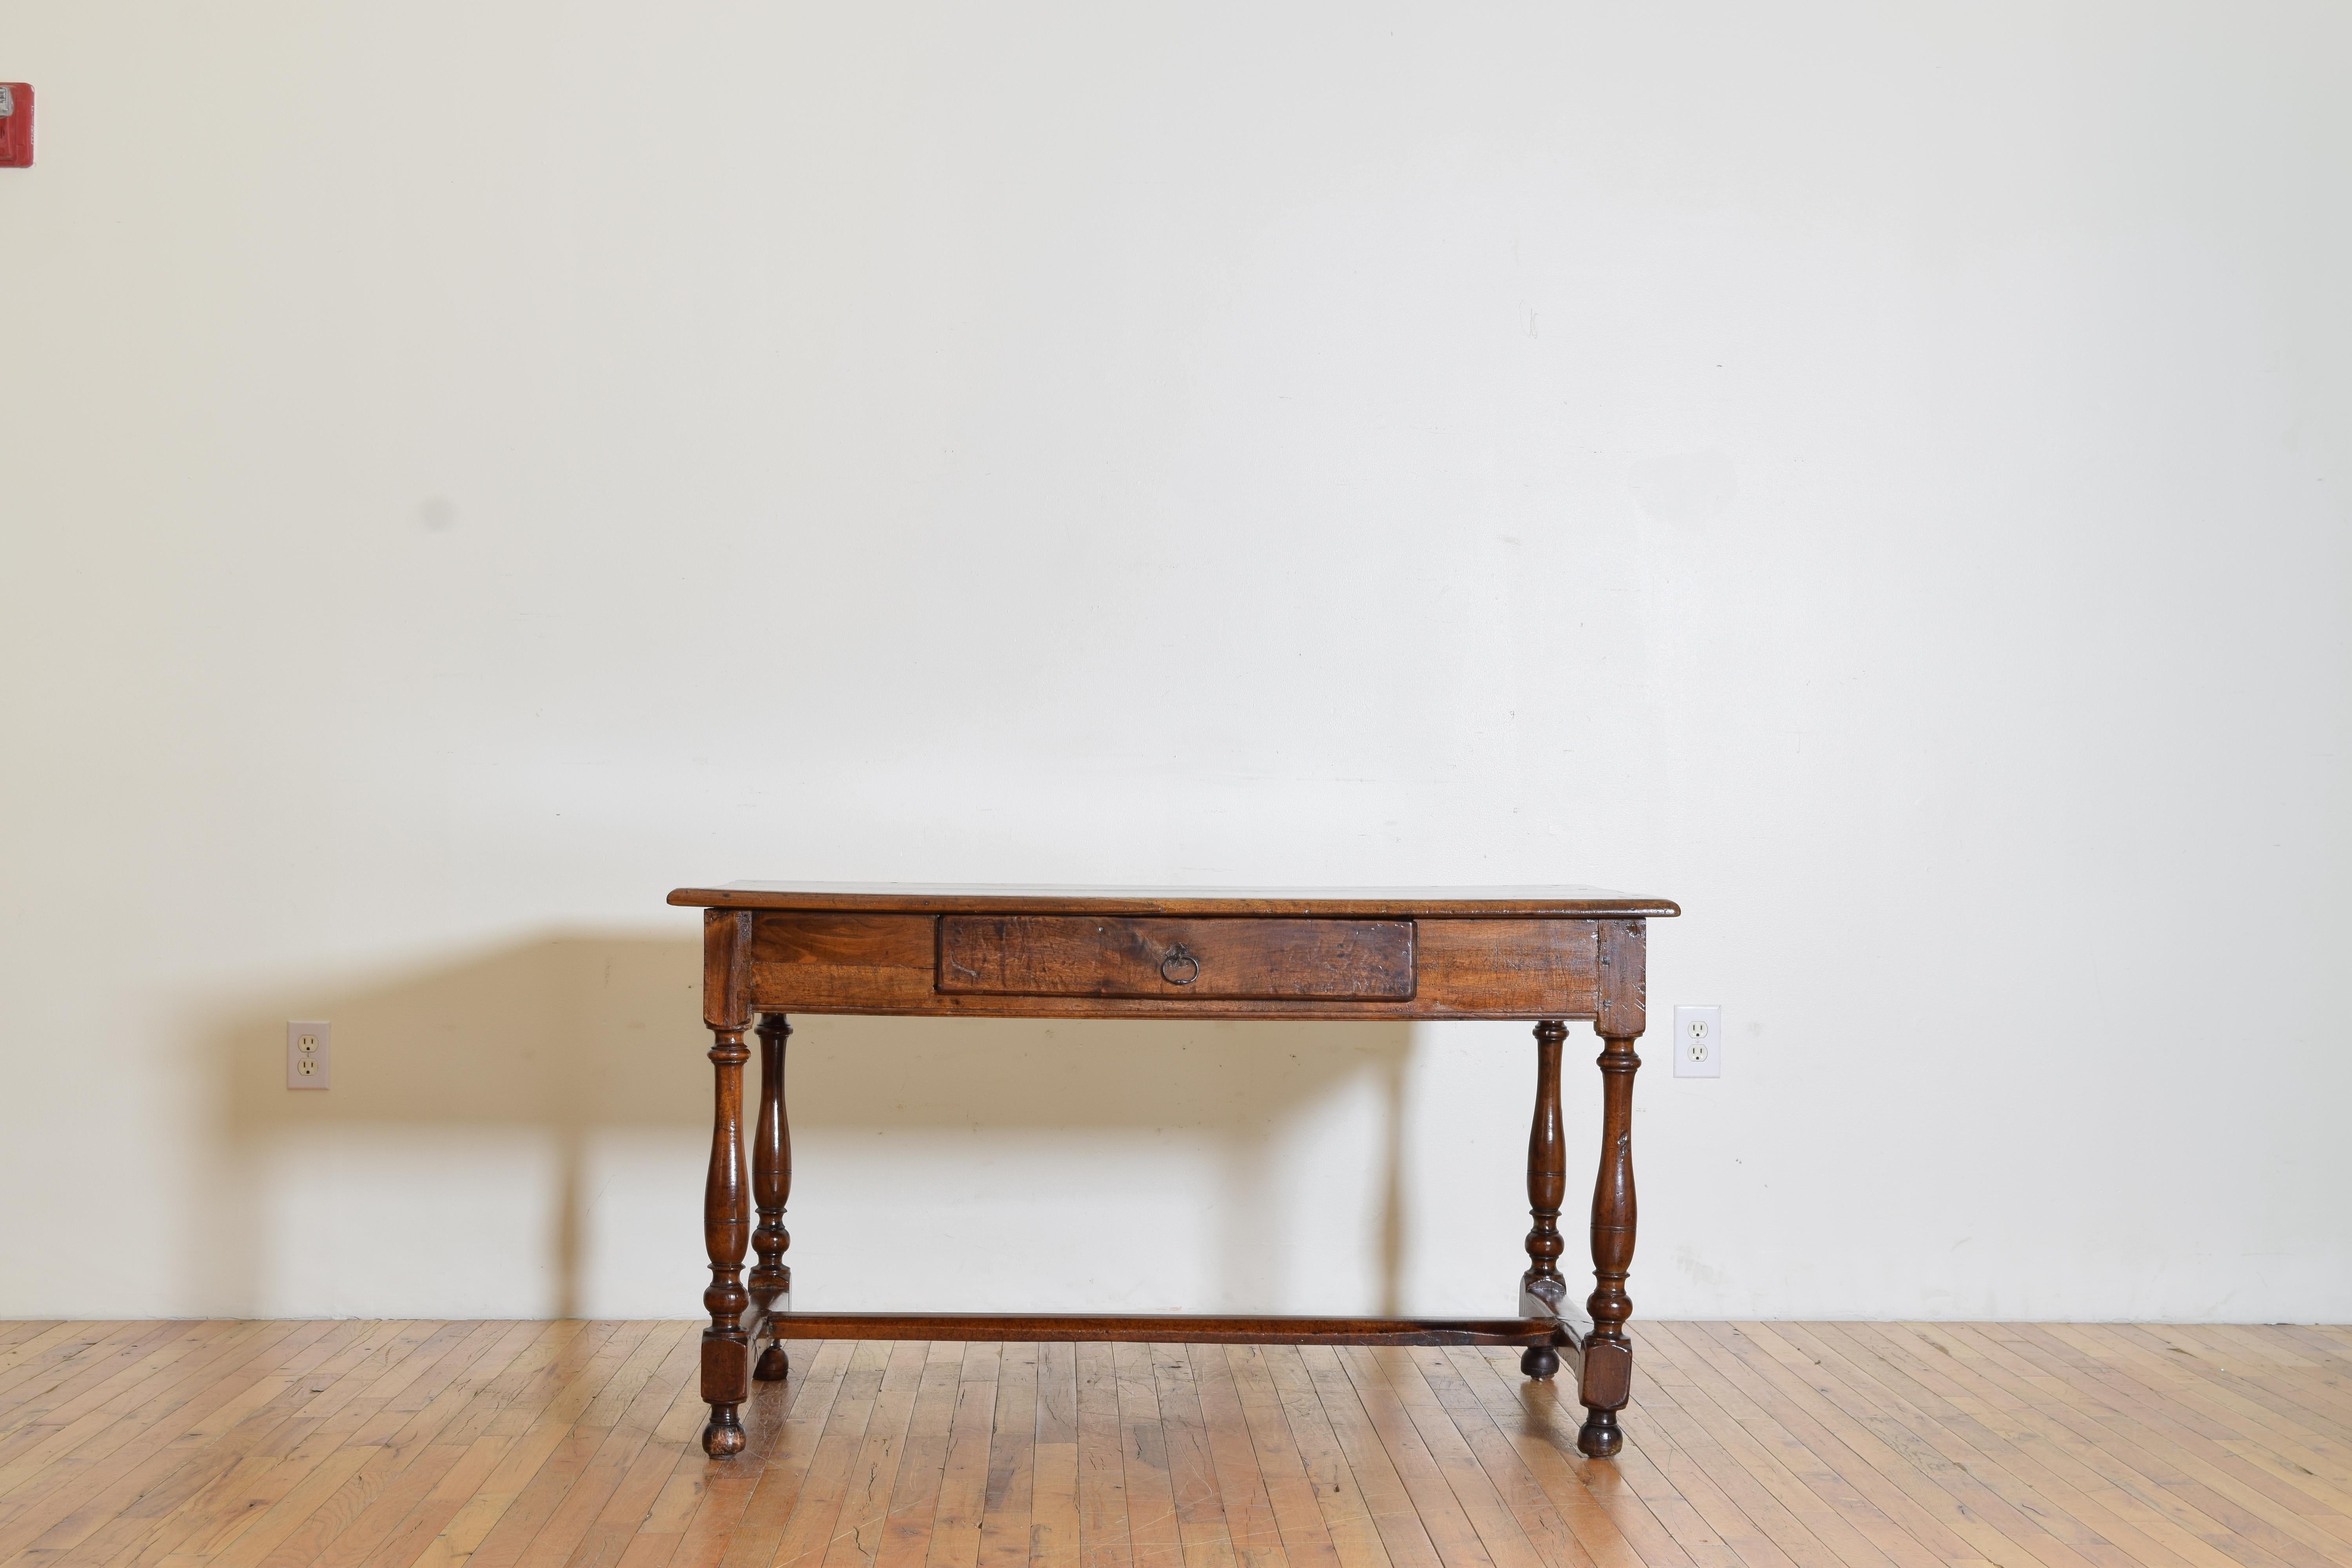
<point x="1541" y="1289"/>
<point x="1608" y="1353"/>
<point x="725" y="1231"/>
<point x="772" y="1183"/>
<point x="726" y="1218"/>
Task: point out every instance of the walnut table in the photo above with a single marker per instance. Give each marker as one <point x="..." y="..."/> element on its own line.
<point x="1547" y="955"/>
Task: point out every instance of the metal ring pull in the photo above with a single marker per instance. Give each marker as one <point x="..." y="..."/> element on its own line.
<point x="1177" y="956"/>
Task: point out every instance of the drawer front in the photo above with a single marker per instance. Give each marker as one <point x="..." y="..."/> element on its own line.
<point x="1176" y="960"/>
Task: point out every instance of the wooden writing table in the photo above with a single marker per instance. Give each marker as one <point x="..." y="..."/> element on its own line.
<point x="1543" y="953"/>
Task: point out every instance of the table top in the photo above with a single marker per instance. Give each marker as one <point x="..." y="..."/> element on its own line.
<point x="1402" y="903"/>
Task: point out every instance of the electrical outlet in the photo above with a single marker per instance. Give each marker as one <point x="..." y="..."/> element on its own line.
<point x="1698" y="1042"/>
<point x="308" y="1041"/>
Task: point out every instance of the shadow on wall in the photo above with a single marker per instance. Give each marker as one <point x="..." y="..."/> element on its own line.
<point x="578" y="1034"/>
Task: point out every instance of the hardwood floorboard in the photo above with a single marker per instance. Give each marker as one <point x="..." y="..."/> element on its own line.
<point x="1518" y="1432"/>
<point x="1388" y="1381"/>
<point x="1634" y="1497"/>
<point x="1254" y="1529"/>
<point x="36" y="1365"/>
<point x="1011" y="1495"/>
<point x="2004" y="1513"/>
<point x="781" y="1438"/>
<point x="1153" y="1536"/>
<point x="389" y="1485"/>
<point x="91" y="1399"/>
<point x="1704" y="1479"/>
<point x="307" y="1463"/>
<point x="503" y="1444"/>
<point x="15" y="1332"/>
<point x="865" y="1509"/>
<point x="2029" y="1419"/>
<point x="2038" y="1485"/>
<point x="78" y="1490"/>
<point x="1829" y="1437"/>
<point x="1834" y="1511"/>
<point x="235" y="1443"/>
<point x="625" y="1413"/>
<point x="1558" y="1520"/>
<point x="2290" y="1418"/>
<point x="1309" y="1538"/>
<point x="809" y="1528"/>
<point x="906" y="1537"/>
<point x="1206" y="1533"/>
<point x="2194" y="1461"/>
<point x="963" y="1482"/>
<point x="1056" y="1536"/>
<point x="1104" y="1538"/>
<point x="1441" y="1538"/>
<point x="1847" y="1496"/>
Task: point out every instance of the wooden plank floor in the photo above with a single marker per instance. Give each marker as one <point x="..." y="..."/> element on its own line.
<point x="279" y="1445"/>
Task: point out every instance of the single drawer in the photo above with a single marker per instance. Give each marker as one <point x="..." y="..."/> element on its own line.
<point x="1176" y="960"/>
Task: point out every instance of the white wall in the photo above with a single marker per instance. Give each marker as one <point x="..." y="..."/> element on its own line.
<point x="1874" y="474"/>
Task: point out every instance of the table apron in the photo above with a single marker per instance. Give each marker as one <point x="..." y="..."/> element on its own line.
<point x="829" y="962"/>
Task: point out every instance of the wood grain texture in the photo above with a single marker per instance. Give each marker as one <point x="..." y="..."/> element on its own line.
<point x="383" y="1445"/>
<point x="726" y="1236"/>
<point x="887" y="963"/>
<point x="1543" y="1290"/>
<point x="1166" y="1328"/>
<point x="771" y="1187"/>
<point x="1550" y="953"/>
<point x="1607" y="1377"/>
<point x="1180" y="960"/>
<point x="725" y="969"/>
<point x="1348" y="903"/>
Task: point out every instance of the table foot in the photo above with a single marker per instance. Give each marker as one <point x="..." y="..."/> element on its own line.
<point x="1599" y="1436"/>
<point x="1539" y="1360"/>
<point x="723" y="1437"/>
<point x="774" y="1366"/>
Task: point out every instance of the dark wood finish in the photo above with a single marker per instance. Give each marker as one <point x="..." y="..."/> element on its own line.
<point x="725" y="1233"/>
<point x="772" y="1185"/>
<point x="726" y="969"/>
<point x="726" y="1009"/>
<point x="1625" y="989"/>
<point x="1177" y="960"/>
<point x="1547" y="954"/>
<point x="1320" y="903"/>
<point x="1608" y="1356"/>
<point x="827" y="962"/>
<point x="1160" y="1328"/>
<point x="1607" y="1382"/>
<point x="1541" y="1289"/>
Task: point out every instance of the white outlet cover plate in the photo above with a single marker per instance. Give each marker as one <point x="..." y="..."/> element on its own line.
<point x="1698" y="1042"/>
<point x="308" y="1060"/>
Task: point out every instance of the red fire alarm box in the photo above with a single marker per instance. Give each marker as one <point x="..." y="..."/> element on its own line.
<point x="15" y="125"/>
